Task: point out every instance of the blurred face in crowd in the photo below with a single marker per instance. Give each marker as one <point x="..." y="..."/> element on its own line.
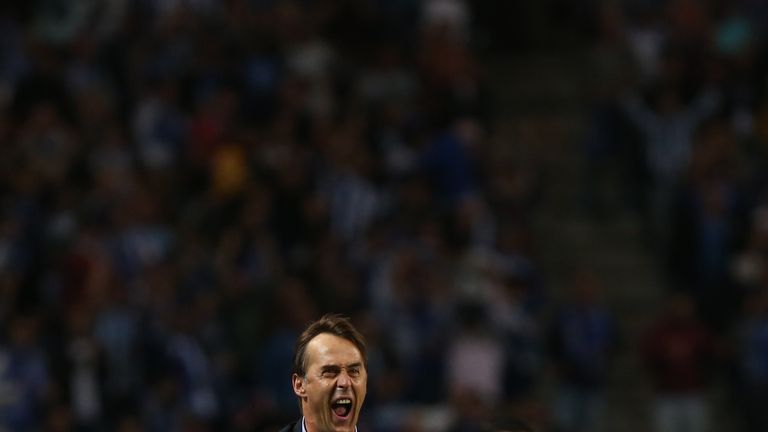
<point x="333" y="388"/>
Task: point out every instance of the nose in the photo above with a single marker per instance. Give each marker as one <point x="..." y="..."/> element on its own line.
<point x="343" y="381"/>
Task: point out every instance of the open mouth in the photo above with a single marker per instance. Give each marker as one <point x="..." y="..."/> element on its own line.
<point x="342" y="407"/>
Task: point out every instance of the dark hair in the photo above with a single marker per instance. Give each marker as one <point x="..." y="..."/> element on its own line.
<point x="334" y="324"/>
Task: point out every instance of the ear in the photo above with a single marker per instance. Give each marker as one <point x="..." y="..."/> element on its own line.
<point x="298" y="386"/>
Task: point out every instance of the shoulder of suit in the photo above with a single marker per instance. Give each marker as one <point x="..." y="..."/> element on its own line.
<point x="293" y="427"/>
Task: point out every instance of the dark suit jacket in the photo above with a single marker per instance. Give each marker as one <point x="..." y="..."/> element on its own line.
<point x="293" y="427"/>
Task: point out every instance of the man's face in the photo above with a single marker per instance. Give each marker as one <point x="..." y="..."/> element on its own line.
<point x="333" y="390"/>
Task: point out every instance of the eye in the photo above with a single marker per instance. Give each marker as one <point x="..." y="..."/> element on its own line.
<point x="354" y="372"/>
<point x="329" y="373"/>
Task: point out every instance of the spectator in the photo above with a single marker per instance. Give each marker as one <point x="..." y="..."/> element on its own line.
<point x="78" y="369"/>
<point x="475" y="348"/>
<point x="679" y="353"/>
<point x="24" y="375"/>
<point x="752" y="362"/>
<point x="583" y="342"/>
<point x="667" y="128"/>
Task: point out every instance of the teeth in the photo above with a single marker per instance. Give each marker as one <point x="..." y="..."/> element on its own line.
<point x="344" y="401"/>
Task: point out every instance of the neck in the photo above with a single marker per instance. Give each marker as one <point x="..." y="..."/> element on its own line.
<point x="310" y="426"/>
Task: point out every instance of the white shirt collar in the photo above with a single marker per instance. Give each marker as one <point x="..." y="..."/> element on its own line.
<point x="304" y="426"/>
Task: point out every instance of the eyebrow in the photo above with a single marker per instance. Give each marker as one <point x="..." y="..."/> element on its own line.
<point x="335" y="367"/>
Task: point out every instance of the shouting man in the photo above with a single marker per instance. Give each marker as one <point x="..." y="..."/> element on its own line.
<point x="329" y="376"/>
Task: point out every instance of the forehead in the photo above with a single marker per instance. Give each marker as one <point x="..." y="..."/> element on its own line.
<point x="326" y="348"/>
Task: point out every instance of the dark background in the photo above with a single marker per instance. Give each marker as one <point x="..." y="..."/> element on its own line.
<point x="549" y="210"/>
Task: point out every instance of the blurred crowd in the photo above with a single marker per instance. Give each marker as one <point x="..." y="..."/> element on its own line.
<point x="680" y="111"/>
<point x="187" y="183"/>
